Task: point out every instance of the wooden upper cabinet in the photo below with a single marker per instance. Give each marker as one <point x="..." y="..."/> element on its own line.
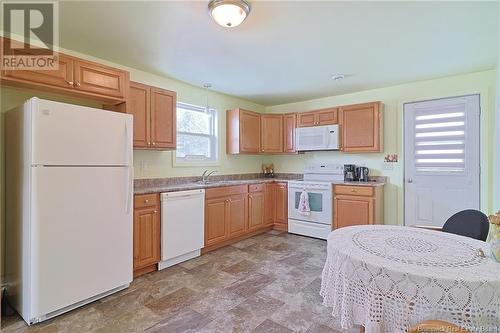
<point x="327" y="116"/>
<point x="98" y="79"/>
<point x="360" y="127"/>
<point x="62" y="77"/>
<point x="163" y="118"/>
<point x="154" y="112"/>
<point x="306" y="119"/>
<point x="318" y="118"/>
<point x="242" y="132"/>
<point x="271" y="133"/>
<point x="289" y="124"/>
<point x="139" y="106"/>
<point x="74" y="76"/>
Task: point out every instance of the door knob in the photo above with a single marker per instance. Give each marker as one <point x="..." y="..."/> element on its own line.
<point x="410" y="180"/>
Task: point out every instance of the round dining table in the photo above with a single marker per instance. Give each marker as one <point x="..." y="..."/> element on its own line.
<point x="389" y="278"/>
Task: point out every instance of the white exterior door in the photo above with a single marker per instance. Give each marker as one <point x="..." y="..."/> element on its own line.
<point x="442" y="171"/>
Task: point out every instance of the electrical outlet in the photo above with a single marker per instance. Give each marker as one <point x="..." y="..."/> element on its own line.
<point x="388" y="166"/>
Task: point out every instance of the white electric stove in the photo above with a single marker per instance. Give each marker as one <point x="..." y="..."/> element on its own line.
<point x="318" y="180"/>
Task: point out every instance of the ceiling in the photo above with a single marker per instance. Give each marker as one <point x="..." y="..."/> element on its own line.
<point x="286" y="51"/>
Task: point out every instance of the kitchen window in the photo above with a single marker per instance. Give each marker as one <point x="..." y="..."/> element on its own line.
<point x="196" y="135"/>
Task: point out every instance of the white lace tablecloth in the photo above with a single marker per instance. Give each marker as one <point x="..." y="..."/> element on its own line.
<point x="389" y="278"/>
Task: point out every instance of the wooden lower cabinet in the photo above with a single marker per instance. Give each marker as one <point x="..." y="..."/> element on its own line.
<point x="269" y="204"/>
<point x="216" y="217"/>
<point x="256" y="210"/>
<point x="236" y="212"/>
<point x="238" y="215"/>
<point x="281" y="206"/>
<point x="357" y="205"/>
<point x="147" y="232"/>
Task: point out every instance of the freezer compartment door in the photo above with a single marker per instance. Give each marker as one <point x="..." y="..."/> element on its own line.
<point x="65" y="134"/>
<point x="81" y="234"/>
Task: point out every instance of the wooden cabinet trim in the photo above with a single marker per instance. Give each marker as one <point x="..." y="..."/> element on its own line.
<point x="354" y="190"/>
<point x="289" y="125"/>
<point x="363" y="132"/>
<point x="225" y="191"/>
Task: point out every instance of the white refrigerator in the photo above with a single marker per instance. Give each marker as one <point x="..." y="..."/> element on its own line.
<point x="69" y="187"/>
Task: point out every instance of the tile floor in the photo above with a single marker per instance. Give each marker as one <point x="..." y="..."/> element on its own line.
<point x="267" y="283"/>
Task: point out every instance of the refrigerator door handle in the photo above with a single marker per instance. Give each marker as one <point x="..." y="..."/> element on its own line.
<point x="127" y="144"/>
<point x="128" y="186"/>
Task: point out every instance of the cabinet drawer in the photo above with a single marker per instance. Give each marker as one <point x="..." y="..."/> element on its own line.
<point x="145" y="200"/>
<point x="256" y="188"/>
<point x="354" y="190"/>
<point x="225" y="191"/>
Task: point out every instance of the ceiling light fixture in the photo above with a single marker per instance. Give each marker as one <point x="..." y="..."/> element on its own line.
<point x="337" y="77"/>
<point x="229" y="13"/>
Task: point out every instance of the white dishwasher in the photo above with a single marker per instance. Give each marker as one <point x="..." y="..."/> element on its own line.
<point x="182" y="226"/>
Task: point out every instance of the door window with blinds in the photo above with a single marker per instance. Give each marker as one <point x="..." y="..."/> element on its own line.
<point x="196" y="134"/>
<point x="439" y="137"/>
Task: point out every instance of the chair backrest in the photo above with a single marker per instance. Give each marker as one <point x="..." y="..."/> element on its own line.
<point x="436" y="326"/>
<point x="471" y="223"/>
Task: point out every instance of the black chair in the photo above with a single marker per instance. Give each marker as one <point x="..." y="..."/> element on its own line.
<point x="470" y="223"/>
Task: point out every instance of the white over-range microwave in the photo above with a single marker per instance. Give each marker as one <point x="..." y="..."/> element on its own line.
<point x="317" y="138"/>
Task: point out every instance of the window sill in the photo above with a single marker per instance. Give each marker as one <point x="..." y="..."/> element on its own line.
<point x="184" y="164"/>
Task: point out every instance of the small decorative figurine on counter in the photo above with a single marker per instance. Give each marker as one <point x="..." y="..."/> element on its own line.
<point x="268" y="170"/>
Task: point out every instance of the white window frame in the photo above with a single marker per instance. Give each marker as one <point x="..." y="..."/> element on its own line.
<point x="214" y="139"/>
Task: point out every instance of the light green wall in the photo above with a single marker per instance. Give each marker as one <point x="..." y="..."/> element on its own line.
<point x="496" y="144"/>
<point x="393" y="98"/>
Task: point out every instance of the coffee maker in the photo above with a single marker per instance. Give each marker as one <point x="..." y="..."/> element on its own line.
<point x="362" y="174"/>
<point x="349" y="172"/>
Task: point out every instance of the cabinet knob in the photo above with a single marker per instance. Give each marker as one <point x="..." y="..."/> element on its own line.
<point x="155" y="211"/>
<point x="353" y="190"/>
<point x="70" y="83"/>
<point x="77" y="84"/>
<point x="146" y="200"/>
<point x="149" y="143"/>
<point x="154" y="143"/>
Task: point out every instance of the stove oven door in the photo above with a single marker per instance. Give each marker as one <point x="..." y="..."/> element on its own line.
<point x="320" y="202"/>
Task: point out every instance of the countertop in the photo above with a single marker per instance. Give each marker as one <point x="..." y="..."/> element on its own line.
<point x="160" y="185"/>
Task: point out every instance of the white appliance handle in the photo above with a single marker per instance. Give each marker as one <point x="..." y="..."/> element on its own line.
<point x="127" y="144"/>
<point x="128" y="185"/>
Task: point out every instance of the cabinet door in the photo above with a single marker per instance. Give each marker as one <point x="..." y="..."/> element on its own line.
<point x="271" y="133"/>
<point x="99" y="79"/>
<point x="327" y="116"/>
<point x="352" y="210"/>
<point x="138" y="106"/>
<point x="216" y="216"/>
<point x="307" y="119"/>
<point x="249" y="132"/>
<point x="281" y="200"/>
<point x="360" y="127"/>
<point x="146" y="237"/>
<point x="163" y="118"/>
<point x="255" y="210"/>
<point x="61" y="78"/>
<point x="289" y="121"/>
<point x="269" y="204"/>
<point x="238" y="215"/>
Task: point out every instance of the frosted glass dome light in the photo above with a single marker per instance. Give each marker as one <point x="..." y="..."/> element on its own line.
<point x="229" y="13"/>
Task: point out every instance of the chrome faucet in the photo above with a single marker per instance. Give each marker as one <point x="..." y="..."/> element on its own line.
<point x="205" y="175"/>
